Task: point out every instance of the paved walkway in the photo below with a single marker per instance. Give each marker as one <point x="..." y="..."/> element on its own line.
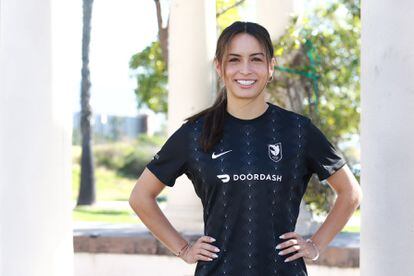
<point x="150" y="265"/>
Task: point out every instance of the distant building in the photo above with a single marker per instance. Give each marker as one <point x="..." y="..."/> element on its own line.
<point x="112" y="128"/>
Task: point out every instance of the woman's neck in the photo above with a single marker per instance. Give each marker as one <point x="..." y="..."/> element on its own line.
<point x="246" y="109"/>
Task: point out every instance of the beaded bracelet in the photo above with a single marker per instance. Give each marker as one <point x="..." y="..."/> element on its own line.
<point x="182" y="249"/>
<point x="316" y="248"/>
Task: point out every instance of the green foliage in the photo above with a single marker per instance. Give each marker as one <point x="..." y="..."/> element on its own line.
<point x="151" y="140"/>
<point x="112" y="156"/>
<point x="134" y="162"/>
<point x="125" y="158"/>
<point x="99" y="214"/>
<point x="110" y="185"/>
<point x="117" y="166"/>
<point x="334" y="32"/>
<point x="151" y="73"/>
<point x="231" y="15"/>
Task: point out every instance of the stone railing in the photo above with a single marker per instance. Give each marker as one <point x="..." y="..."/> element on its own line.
<point x="342" y="252"/>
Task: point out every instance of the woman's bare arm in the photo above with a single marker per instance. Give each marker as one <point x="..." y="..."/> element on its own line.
<point x="143" y="201"/>
<point x="349" y="197"/>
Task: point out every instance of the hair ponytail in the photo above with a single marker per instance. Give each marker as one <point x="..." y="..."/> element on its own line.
<point x="213" y="121"/>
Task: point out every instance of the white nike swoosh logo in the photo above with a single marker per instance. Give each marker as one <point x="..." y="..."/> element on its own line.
<point x="214" y="156"/>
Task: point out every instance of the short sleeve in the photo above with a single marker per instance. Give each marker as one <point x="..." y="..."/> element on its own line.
<point x="322" y="157"/>
<point x="171" y="160"/>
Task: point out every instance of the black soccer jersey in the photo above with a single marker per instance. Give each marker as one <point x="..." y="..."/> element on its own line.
<point x="250" y="185"/>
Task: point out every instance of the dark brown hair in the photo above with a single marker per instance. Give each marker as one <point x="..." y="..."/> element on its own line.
<point x="214" y="116"/>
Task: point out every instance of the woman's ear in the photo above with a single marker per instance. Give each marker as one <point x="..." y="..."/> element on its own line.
<point x="217" y="66"/>
<point x="272" y="66"/>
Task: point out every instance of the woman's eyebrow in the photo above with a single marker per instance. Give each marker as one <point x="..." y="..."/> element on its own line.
<point x="237" y="55"/>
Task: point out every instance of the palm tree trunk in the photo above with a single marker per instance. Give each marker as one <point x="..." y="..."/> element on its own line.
<point x="87" y="180"/>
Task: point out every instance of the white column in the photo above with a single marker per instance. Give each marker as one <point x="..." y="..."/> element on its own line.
<point x="191" y="89"/>
<point x="35" y="192"/>
<point x="274" y="15"/>
<point x="387" y="131"/>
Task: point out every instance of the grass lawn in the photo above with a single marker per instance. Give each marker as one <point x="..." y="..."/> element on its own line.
<point x="354" y="224"/>
<point x="109" y="187"/>
<point x="99" y="214"/>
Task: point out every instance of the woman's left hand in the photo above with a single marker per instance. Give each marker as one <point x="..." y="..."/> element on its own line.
<point x="294" y="243"/>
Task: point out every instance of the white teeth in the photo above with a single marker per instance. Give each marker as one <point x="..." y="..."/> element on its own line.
<point x="246" y="82"/>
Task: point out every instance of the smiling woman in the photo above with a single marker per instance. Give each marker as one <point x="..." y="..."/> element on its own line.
<point x="229" y="151"/>
<point x="246" y="69"/>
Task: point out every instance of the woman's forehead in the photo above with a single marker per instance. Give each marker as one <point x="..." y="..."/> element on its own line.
<point x="244" y="45"/>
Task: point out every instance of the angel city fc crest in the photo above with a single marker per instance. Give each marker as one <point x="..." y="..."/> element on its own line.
<point x="275" y="151"/>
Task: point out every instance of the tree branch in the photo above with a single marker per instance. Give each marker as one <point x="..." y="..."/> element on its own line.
<point x="238" y="3"/>
<point x="162" y="33"/>
<point x="159" y="16"/>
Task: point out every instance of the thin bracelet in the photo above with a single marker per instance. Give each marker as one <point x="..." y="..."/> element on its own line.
<point x="182" y="249"/>
<point x="316" y="248"/>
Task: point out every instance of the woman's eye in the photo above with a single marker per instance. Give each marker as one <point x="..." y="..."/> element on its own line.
<point x="254" y="59"/>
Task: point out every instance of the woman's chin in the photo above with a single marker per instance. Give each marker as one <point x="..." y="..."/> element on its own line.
<point x="245" y="94"/>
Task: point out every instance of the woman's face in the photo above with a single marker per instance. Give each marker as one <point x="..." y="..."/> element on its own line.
<point x="246" y="71"/>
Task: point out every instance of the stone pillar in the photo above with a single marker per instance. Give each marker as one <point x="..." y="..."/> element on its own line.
<point x="191" y="89"/>
<point x="35" y="189"/>
<point x="387" y="131"/>
<point x="274" y="15"/>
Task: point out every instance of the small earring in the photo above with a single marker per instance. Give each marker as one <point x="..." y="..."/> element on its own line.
<point x="271" y="78"/>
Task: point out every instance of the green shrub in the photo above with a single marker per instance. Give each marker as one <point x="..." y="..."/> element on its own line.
<point x="153" y="140"/>
<point x="112" y="156"/>
<point x="126" y="158"/>
<point x="135" y="161"/>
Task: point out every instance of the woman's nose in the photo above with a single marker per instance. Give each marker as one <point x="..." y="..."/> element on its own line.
<point x="245" y="68"/>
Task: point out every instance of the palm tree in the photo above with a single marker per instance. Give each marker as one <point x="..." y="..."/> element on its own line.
<point x="87" y="180"/>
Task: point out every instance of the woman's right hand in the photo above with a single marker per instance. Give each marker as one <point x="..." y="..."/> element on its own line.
<point x="200" y="250"/>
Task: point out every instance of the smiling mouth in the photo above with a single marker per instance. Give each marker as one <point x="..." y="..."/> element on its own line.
<point x="246" y="83"/>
